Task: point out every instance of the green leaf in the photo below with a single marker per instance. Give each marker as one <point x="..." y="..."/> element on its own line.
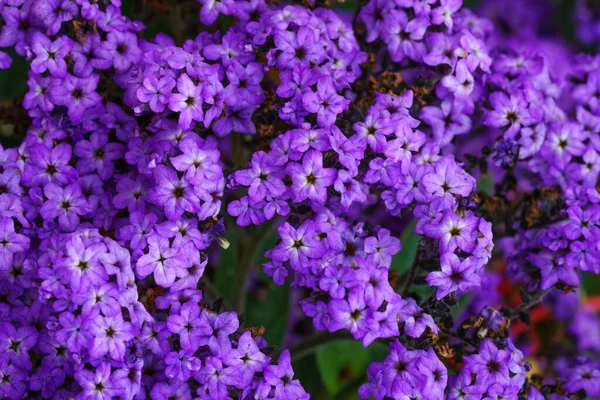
<point x="226" y="267"/>
<point x="590" y="283"/>
<point x="305" y="369"/>
<point x="270" y="312"/>
<point x="402" y="261"/>
<point x="269" y="304"/>
<point x="485" y="184"/>
<point x="378" y="351"/>
<point x="341" y="363"/>
<point x="13" y="81"/>
<point x="347" y="5"/>
<point x="159" y="25"/>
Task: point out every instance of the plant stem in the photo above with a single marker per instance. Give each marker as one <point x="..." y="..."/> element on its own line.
<point x="527" y="306"/>
<point x="242" y="273"/>
<point x="414" y="268"/>
<point x="248" y="244"/>
<point x="350" y="389"/>
<point x="176" y="22"/>
<point x="210" y="291"/>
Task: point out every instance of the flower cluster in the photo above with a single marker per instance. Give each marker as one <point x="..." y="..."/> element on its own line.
<point x="340" y="131"/>
<point x="404" y="374"/>
<point x="105" y="226"/>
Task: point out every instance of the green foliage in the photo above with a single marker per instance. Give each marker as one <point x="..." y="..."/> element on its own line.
<point x="226" y="266"/>
<point x="267" y="303"/>
<point x="485" y="184"/>
<point x="270" y="311"/>
<point x="341" y="363"/>
<point x="306" y="371"/>
<point x="13" y="81"/>
<point x="590" y="283"/>
<point x="470" y="3"/>
<point x="402" y="261"/>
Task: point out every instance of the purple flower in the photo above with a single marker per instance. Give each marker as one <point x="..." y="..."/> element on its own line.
<point x="122" y="49"/>
<point x="181" y="365"/>
<point x="175" y="194"/>
<point x="50" y="56"/>
<point x="11" y="242"/>
<point x="246" y="357"/>
<point x="49" y="165"/>
<point x="244" y="84"/>
<point x="131" y="194"/>
<point x="507" y="111"/>
<point x="444" y="13"/>
<point x="349" y="314"/>
<point x="98" y="155"/>
<point x="110" y="335"/>
<point x="281" y="376"/>
<point x="456" y="275"/>
<point x="162" y="260"/>
<point x="374" y="130"/>
<point x="400" y="369"/>
<point x="246" y="211"/>
<point x="472" y="49"/>
<point x="298" y="47"/>
<point x="211" y="8"/>
<point x="295" y="80"/>
<point x="415" y="319"/>
<point x="199" y="160"/>
<point x="403" y="36"/>
<point x="454" y="231"/>
<point x="553" y="268"/>
<point x="441" y="49"/>
<point x="216" y="377"/>
<point x="38" y="94"/>
<point x="446" y="121"/>
<point x="88" y="55"/>
<point x="190" y="324"/>
<point x="12" y="380"/>
<point x="238" y="118"/>
<point x="77" y="94"/>
<point x="139" y="230"/>
<point x="262" y="178"/>
<point x="461" y="82"/>
<point x="448" y="179"/>
<point x="15" y="344"/>
<point x="5" y="60"/>
<point x="187" y="101"/>
<point x="222" y="325"/>
<point x="54" y="13"/>
<point x="297" y="245"/>
<point x="47" y="380"/>
<point x="82" y="264"/>
<point x="372" y="14"/>
<point x="350" y="189"/>
<point x="325" y="102"/>
<point x="72" y="332"/>
<point x="490" y="364"/>
<point x="232" y="46"/>
<point x="584" y="377"/>
<point x="156" y="91"/>
<point x="309" y="179"/>
<point x="96" y="385"/>
<point x="67" y="204"/>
